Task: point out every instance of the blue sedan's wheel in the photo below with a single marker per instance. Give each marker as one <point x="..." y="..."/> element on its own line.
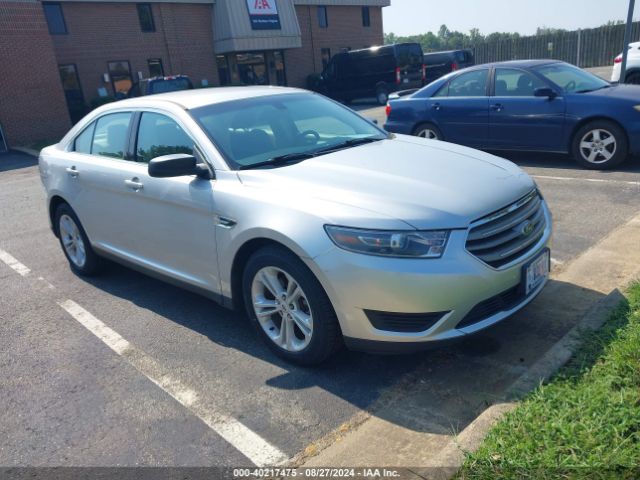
<point x="600" y="145"/>
<point x="428" y="131"/>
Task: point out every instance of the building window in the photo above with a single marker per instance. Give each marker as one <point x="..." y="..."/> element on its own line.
<point x="120" y="74"/>
<point x="145" y="15"/>
<point x="155" y="67"/>
<point x="55" y="18"/>
<point x="323" y="18"/>
<point x="72" y="91"/>
<point x="366" y="17"/>
<point x="325" y="54"/>
<point x="223" y="70"/>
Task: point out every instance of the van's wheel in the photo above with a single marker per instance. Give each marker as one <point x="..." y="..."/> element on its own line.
<point x="634" y="78"/>
<point x="289" y="307"/>
<point x="428" y="130"/>
<point x="382" y="95"/>
<point x="75" y="244"/>
<point x="600" y="145"/>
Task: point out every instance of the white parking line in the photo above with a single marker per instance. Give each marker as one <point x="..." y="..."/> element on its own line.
<point x="596" y="180"/>
<point x="247" y="442"/>
<point x="14" y="264"/>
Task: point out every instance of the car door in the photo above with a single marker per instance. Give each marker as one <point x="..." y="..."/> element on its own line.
<point x="167" y="224"/>
<point x="518" y="119"/>
<point x="461" y="108"/>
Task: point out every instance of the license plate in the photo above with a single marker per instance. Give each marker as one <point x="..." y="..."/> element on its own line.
<point x="537" y="271"/>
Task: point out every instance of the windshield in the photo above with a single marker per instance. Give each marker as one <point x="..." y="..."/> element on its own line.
<point x="571" y="79"/>
<point x="256" y="130"/>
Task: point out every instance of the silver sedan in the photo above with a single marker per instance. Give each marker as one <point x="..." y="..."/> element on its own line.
<point x="326" y="229"/>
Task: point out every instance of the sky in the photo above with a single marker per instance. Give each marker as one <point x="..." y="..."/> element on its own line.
<point x="407" y="17"/>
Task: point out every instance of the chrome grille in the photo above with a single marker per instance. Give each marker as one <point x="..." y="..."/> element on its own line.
<point x="509" y="233"/>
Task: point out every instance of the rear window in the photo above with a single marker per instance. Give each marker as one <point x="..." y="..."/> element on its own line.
<point x="162" y="86"/>
<point x="461" y="57"/>
<point x="409" y="55"/>
<point x="436" y="58"/>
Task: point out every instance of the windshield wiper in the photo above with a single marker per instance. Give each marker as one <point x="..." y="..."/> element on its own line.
<point x="280" y="160"/>
<point x="589" y="90"/>
<point x="348" y="143"/>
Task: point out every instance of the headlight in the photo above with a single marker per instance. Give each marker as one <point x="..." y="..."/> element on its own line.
<point x="637" y="107"/>
<point x="385" y="243"/>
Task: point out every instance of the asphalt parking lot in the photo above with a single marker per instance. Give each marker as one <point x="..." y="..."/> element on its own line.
<point x="68" y="399"/>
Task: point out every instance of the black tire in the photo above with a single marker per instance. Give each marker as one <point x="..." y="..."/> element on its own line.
<point x="606" y="130"/>
<point x="382" y="95"/>
<point x="92" y="263"/>
<point x="326" y="337"/>
<point x="423" y="127"/>
<point x="633" y="78"/>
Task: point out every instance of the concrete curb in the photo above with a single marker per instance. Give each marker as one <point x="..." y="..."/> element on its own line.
<point x="376" y="441"/>
<point x="27" y="150"/>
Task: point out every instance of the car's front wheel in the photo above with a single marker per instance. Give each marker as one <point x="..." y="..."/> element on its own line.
<point x="75" y="244"/>
<point x="600" y="145"/>
<point x="289" y="307"/>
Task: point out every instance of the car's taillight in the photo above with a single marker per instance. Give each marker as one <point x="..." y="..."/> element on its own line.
<point x="398" y="79"/>
<point x="454" y="67"/>
<point x="618" y="59"/>
<point x="387" y="109"/>
<point x="424" y="72"/>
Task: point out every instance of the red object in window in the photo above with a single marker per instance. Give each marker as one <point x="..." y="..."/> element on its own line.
<point x="424" y="72"/>
<point x="387" y="110"/>
<point x="454" y="67"/>
<point x="618" y="59"/>
<point x="398" y="79"/>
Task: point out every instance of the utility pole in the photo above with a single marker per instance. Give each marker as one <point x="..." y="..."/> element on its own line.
<point x="627" y="40"/>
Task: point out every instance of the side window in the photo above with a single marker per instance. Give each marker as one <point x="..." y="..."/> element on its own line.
<point x="82" y="143"/>
<point x="516" y="83"/>
<point x="443" y="92"/>
<point x="470" y="84"/>
<point x="110" y="137"/>
<point x="159" y="135"/>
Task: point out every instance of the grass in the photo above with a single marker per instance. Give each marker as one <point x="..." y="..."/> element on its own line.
<point x="585" y="423"/>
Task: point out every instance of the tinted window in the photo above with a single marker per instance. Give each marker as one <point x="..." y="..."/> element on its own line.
<point x="323" y="18"/>
<point x="83" y="141"/>
<point x="516" y="83"/>
<point x="159" y="135"/>
<point x="409" y="55"/>
<point x="55" y="18"/>
<point x="110" y="137"/>
<point x="145" y="16"/>
<point x="255" y="130"/>
<point x="470" y="84"/>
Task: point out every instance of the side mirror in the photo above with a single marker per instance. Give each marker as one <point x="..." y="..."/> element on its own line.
<point x="545" y="92"/>
<point x="177" y="165"/>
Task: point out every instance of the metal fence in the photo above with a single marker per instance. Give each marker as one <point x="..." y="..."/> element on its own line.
<point x="594" y="47"/>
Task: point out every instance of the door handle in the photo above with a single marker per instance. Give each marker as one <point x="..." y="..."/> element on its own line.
<point x="134" y="184"/>
<point x="72" y="172"/>
<point x="498" y="107"/>
<point x="436" y="106"/>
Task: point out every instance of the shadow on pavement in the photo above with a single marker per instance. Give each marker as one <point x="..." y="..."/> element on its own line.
<point x="438" y="391"/>
<point x="560" y="161"/>
<point x="15" y="160"/>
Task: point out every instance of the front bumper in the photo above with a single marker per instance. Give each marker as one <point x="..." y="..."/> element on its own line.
<point x="454" y="284"/>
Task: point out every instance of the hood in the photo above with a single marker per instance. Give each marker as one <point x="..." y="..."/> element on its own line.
<point x="621" y="92"/>
<point x="425" y="183"/>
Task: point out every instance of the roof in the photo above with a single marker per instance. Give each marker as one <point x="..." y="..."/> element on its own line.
<point x="189" y="99"/>
<point x="520" y="63"/>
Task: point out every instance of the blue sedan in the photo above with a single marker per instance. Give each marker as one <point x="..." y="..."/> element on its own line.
<point x="533" y="105"/>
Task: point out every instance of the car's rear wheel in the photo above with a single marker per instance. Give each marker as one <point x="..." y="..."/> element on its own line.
<point x="289" y="307"/>
<point x="382" y="95"/>
<point x="75" y="244"/>
<point x="633" y="78"/>
<point x="428" y="130"/>
<point x="600" y="145"/>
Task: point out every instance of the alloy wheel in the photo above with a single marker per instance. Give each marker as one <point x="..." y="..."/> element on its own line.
<point x="428" y="133"/>
<point x="282" y="309"/>
<point x="598" y="146"/>
<point x="72" y="241"/>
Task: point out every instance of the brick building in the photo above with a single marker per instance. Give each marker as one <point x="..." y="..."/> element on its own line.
<point x="61" y="57"/>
